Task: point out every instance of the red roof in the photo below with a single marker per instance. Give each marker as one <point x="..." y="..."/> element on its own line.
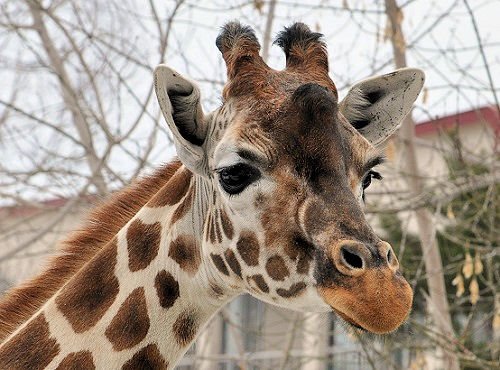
<point x="25" y="210"/>
<point x="487" y="115"/>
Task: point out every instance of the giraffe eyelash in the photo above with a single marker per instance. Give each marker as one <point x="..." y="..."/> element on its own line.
<point x="367" y="180"/>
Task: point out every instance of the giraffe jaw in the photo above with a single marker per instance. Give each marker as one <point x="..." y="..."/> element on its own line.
<point x="349" y="320"/>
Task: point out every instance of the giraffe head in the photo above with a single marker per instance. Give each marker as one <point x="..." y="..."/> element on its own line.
<point x="283" y="166"/>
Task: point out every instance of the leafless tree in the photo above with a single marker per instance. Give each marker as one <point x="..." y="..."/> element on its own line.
<point x="78" y="120"/>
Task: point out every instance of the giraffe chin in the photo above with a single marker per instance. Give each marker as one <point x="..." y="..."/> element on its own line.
<point x="348" y="320"/>
<point x="379" y="303"/>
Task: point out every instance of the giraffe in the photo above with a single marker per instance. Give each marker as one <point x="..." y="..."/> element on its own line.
<point x="266" y="197"/>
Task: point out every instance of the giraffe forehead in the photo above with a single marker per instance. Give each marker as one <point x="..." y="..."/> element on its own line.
<point x="295" y="146"/>
<point x="303" y="129"/>
<point x="273" y="97"/>
<point x="245" y="138"/>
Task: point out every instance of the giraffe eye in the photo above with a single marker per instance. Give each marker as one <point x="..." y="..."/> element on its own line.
<point x="234" y="179"/>
<point x="368" y="178"/>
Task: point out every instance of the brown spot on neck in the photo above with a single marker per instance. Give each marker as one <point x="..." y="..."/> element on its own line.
<point x="211" y="228"/>
<point x="184" y="250"/>
<point x="183" y="208"/>
<point x="131" y="324"/>
<point x="21" y="303"/>
<point x="77" y="361"/>
<point x="276" y="268"/>
<point x="261" y="283"/>
<point x="167" y="289"/>
<point x="227" y="225"/>
<point x="219" y="263"/>
<point x="147" y="358"/>
<point x="86" y="297"/>
<point x="248" y="247"/>
<point x="295" y="290"/>
<point x="218" y="232"/>
<point x="143" y="243"/>
<point x="232" y="261"/>
<point x="218" y="291"/>
<point x="31" y="348"/>
<point x="173" y="191"/>
<point x="185" y="327"/>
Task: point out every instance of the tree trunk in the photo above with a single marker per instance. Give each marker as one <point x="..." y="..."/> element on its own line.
<point x="438" y="303"/>
<point x="69" y="95"/>
<point x="267" y="31"/>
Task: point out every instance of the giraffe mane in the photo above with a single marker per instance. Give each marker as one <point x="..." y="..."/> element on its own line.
<point x="102" y="224"/>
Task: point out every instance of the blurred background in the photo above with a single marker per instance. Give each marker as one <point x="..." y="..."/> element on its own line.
<point x="79" y="120"/>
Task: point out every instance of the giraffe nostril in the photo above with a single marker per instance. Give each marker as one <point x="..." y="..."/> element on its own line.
<point x="390" y="258"/>
<point x="351" y="259"/>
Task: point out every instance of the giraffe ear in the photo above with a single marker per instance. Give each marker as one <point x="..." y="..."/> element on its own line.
<point x="179" y="100"/>
<point x="376" y="106"/>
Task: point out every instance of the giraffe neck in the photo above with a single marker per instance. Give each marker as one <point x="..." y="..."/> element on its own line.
<point x="142" y="299"/>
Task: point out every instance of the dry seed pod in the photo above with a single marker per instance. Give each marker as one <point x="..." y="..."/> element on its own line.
<point x="468" y="268"/>
<point x="449" y="213"/>
<point x="459" y="283"/>
<point x="478" y="265"/>
<point x="474" y="291"/>
<point x="496" y="319"/>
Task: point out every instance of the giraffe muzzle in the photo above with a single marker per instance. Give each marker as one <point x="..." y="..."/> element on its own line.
<point x="373" y="295"/>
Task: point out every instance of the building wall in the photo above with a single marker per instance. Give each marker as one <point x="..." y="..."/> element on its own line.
<point x="28" y="225"/>
<point x="479" y="140"/>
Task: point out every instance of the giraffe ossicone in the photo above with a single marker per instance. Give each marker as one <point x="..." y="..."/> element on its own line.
<point x="266" y="198"/>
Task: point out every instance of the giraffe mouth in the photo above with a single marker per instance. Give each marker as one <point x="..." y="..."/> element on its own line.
<point x="349" y="320"/>
<point x="380" y="306"/>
